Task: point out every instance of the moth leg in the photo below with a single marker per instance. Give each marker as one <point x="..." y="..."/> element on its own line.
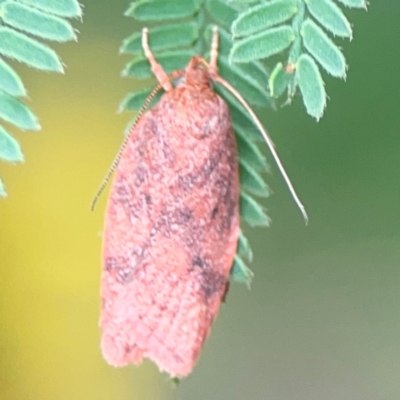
<point x="156" y="68"/>
<point x="214" y="52"/>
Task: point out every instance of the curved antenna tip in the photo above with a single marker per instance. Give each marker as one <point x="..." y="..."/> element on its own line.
<point x="305" y="215"/>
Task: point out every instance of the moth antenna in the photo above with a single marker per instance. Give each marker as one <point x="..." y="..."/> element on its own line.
<point x="156" y="68"/>
<point x="114" y="164"/>
<point x="213" y="68"/>
<point x="267" y="139"/>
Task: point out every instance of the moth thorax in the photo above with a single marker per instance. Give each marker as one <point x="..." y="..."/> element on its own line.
<point x="196" y="75"/>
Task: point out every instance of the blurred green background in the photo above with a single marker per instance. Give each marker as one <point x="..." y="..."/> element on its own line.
<point x="322" y="320"/>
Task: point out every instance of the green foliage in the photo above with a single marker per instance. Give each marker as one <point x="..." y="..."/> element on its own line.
<point x="253" y="47"/>
<point x="22" y="48"/>
<point x="186" y="31"/>
<point x="244" y="248"/>
<point x="251" y="180"/>
<point x="62" y="8"/>
<point x="170" y="60"/>
<point x="311" y="84"/>
<point x="240" y="272"/>
<point x="37" y="23"/>
<point x="323" y="49"/>
<point x="10" y="149"/>
<point x="22" y="22"/>
<point x="330" y="17"/>
<point x="278" y="80"/>
<point x="354" y="3"/>
<point x="263" y="16"/>
<point x="160" y="10"/>
<point x="14" y="111"/>
<point x="297" y="30"/>
<point x="10" y="82"/>
<point x="252" y="212"/>
<point x="164" y="37"/>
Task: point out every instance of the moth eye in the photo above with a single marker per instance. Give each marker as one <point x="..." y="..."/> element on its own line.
<point x="180" y="81"/>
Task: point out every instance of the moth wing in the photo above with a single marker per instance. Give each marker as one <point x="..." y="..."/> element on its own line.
<point x="170" y="237"/>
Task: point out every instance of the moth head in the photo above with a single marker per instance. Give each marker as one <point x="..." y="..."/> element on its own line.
<point x="196" y="74"/>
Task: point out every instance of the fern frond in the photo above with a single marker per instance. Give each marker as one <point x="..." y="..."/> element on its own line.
<point x="22" y="23"/>
<point x="299" y="31"/>
<point x="186" y="30"/>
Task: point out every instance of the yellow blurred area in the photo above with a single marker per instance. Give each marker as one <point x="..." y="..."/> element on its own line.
<point x="50" y="241"/>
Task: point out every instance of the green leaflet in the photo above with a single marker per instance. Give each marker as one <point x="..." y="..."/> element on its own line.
<point x="163" y="38"/>
<point x="252" y="212"/>
<point x="3" y="192"/>
<point x="263" y="16"/>
<point x="10" y="150"/>
<point x="240" y="272"/>
<point x="243" y="247"/>
<point x="244" y="124"/>
<point x="296" y="49"/>
<point x="253" y="69"/>
<point x="354" y="3"/>
<point x="241" y="118"/>
<point x="262" y="45"/>
<point x="17" y="113"/>
<point x="221" y="12"/>
<point x="323" y="49"/>
<point x="251" y="180"/>
<point x="41" y="18"/>
<point x="10" y="82"/>
<point x="279" y="80"/>
<point x="161" y="10"/>
<point x="248" y="150"/>
<point x="330" y="16"/>
<point x="258" y="72"/>
<point x="244" y="2"/>
<point x="171" y="61"/>
<point x="24" y="49"/>
<point x="290" y="29"/>
<point x="36" y="22"/>
<point x="63" y="8"/>
<point x="239" y="115"/>
<point x="248" y="87"/>
<point x="311" y="86"/>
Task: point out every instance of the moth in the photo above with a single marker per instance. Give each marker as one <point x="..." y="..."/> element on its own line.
<point x="172" y="221"/>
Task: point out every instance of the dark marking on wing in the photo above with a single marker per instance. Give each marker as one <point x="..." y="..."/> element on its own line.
<point x="214" y="212"/>
<point x="140" y="174"/>
<point x="197" y="261"/>
<point x="119" y="267"/>
<point x="212" y="282"/>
